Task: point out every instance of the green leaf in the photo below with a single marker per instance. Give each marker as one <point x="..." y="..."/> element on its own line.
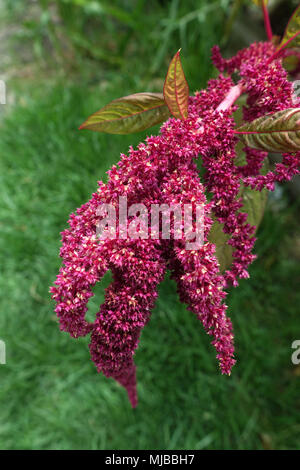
<point x="176" y="89"/>
<point x="277" y="132"/>
<point x="290" y="63"/>
<point x="132" y="113"/>
<point x="292" y="30"/>
<point x="223" y="251"/>
<point x="254" y="205"/>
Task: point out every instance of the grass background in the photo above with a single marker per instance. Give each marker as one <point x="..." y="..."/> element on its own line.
<point x="51" y="396"/>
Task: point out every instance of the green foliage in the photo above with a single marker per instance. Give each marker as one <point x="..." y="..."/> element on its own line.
<point x="292" y="30"/>
<point x="254" y="205"/>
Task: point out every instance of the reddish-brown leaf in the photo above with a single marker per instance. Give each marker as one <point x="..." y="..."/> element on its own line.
<point x="176" y="89"/>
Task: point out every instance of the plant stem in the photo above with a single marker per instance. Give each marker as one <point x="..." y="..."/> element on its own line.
<point x="233" y="94"/>
<point x="283" y="46"/>
<point x="267" y="21"/>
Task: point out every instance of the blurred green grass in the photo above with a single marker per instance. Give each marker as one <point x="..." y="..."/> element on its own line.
<point x="74" y="36"/>
<point x="51" y="395"/>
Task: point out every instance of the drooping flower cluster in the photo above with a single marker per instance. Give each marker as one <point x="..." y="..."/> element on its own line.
<point x="163" y="170"/>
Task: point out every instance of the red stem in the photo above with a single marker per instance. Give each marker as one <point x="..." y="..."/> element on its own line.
<point x="283" y="47"/>
<point x="267" y="21"/>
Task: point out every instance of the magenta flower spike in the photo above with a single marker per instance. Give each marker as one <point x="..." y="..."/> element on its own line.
<point x="163" y="171"/>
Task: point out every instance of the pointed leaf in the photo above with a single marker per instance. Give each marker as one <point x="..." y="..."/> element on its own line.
<point x="223" y="250"/>
<point x="176" y="89"/>
<point x="254" y="205"/>
<point x="291" y="34"/>
<point x="132" y="113"/>
<point x="277" y="132"/>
